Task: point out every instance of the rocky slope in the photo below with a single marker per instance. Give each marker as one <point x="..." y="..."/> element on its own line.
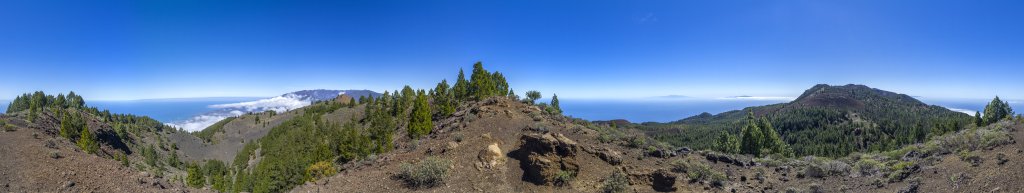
<point x="500" y="145"/>
<point x="35" y="160"/>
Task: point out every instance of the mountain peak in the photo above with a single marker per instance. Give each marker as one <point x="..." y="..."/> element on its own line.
<point x="851" y="96"/>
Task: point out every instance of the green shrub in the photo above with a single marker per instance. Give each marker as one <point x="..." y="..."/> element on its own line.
<point x="703" y="172"/>
<point x="867" y="166"/>
<point x="55" y="154"/>
<point x="815" y="188"/>
<point x="679" y="165"/>
<point x="615" y="183"/>
<point x="900" y="170"/>
<point x="458" y="137"/>
<point x="564" y="177"/>
<point x="427" y="173"/>
<point x="637" y="141"/>
<point x="320" y="170"/>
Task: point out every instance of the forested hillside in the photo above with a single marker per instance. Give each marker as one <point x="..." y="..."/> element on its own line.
<point x="139" y="142"/>
<point x="825" y="120"/>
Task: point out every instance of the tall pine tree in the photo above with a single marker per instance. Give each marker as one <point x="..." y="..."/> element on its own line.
<point x="481" y="83"/>
<point x="420" y="123"/>
<point x="752" y="136"/>
<point x="443" y="99"/>
<point x="555" y="104"/>
<point x="461" y="87"/>
<point x="88" y="141"/>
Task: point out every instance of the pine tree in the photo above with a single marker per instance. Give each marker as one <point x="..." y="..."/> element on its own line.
<point x="87" y="141"/>
<point x="977" y="119"/>
<point x="752" y="137"/>
<point x="195" y="176"/>
<point x="512" y="94"/>
<point x="772" y="141"/>
<point x="554" y="104"/>
<point x="443" y="99"/>
<point x="61" y="101"/>
<point x="500" y="84"/>
<point x="461" y="88"/>
<point x="481" y="83"/>
<point x="420" y="123"/>
<point x="727" y="143"/>
<point x="997" y="110"/>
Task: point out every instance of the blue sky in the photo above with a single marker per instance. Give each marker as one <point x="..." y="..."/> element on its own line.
<point x="579" y="49"/>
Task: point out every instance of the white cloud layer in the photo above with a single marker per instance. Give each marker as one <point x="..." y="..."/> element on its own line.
<point x="966" y="111"/>
<point x="279" y="104"/>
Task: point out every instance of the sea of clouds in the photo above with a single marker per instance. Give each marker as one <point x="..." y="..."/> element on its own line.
<point x="279" y="104"/>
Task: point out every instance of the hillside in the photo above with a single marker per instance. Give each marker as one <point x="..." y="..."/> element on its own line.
<point x="477" y="137"/>
<point x="498" y="145"/>
<point x="58" y="144"/>
<point x="826" y="121"/>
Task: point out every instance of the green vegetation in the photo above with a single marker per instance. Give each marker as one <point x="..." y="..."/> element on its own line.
<point x="727" y="143"/>
<point x="758" y="138"/>
<point x="830" y="121"/>
<point x="420" y="123"/>
<point x="70" y="125"/>
<point x="564" y="177"/>
<point x="88" y="141"/>
<point x="207" y="134"/>
<point x="532" y="96"/>
<point x="196" y="178"/>
<point x="997" y="110"/>
<point x="444" y="99"/>
<point x="320" y="170"/>
<point x="430" y="172"/>
<point x="555" y="108"/>
<point x="615" y="183"/>
<point x="702" y="172"/>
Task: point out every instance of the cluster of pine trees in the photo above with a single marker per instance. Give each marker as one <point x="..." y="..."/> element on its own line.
<point x="994" y="111"/>
<point x="72" y="114"/>
<point x="758" y="138"/>
<point x="38" y="100"/>
<point x="305" y="143"/>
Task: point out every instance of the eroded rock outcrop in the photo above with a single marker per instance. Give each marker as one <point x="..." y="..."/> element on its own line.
<point x="545" y="156"/>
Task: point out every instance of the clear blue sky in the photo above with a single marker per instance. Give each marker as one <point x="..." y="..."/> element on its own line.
<point x="579" y="49"/>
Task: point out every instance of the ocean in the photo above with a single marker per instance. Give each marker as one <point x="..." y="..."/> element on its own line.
<point x="166" y="110"/>
<point x="656" y="110"/>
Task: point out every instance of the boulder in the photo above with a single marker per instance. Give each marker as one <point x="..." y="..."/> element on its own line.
<point x="684" y="150"/>
<point x="549" y="143"/>
<point x="544" y="156"/>
<point x="661" y="153"/>
<point x="490" y="157"/>
<point x="611" y="156"/>
<point x="663" y="181"/>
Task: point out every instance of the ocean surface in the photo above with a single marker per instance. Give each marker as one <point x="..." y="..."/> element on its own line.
<point x="166" y="110"/>
<point x="659" y="110"/>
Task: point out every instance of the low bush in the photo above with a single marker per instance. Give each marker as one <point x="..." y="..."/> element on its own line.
<point x="819" y="168"/>
<point x="901" y="170"/>
<point x="1001" y="159"/>
<point x="971" y="157"/>
<point x="972" y="139"/>
<point x="50" y="143"/>
<point x="320" y="170"/>
<point x="679" y="165"/>
<point x="637" y="141"/>
<point x="564" y="177"/>
<point x="615" y="183"/>
<point x="815" y="188"/>
<point x="867" y="166"/>
<point x="427" y="173"/>
<point x="703" y="172"/>
<point x="55" y="154"/>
